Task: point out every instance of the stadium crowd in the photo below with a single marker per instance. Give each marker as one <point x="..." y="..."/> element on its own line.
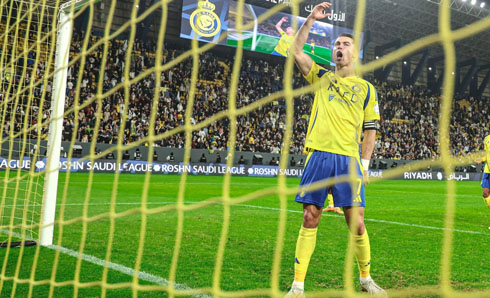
<point x="408" y="126"/>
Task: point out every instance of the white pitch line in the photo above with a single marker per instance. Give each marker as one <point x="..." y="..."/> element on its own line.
<point x="374" y="220"/>
<point x="163" y="282"/>
<point x="287" y="210"/>
<point x="177" y="183"/>
<point x="142" y="275"/>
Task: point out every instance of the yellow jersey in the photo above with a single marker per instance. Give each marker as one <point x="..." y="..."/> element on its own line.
<point x="284" y="43"/>
<point x="487" y="156"/>
<point x="340" y="107"/>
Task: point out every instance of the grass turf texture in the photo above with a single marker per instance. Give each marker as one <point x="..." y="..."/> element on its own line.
<point x="403" y="255"/>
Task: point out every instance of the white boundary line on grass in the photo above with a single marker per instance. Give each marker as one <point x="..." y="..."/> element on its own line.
<point x="287" y="210"/>
<point x="142" y="275"/>
<point x="375" y="220"/>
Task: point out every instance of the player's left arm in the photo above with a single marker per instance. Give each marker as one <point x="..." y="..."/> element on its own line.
<point x="370" y="127"/>
<point x="367" y="148"/>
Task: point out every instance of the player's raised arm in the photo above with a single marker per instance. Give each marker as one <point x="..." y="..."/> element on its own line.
<point x="304" y="61"/>
<point x="279" y="24"/>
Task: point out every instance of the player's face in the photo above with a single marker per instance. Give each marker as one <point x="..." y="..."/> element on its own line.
<point x="343" y="51"/>
<point x="289" y="31"/>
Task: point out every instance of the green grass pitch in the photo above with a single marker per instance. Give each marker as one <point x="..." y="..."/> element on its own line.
<point x="266" y="44"/>
<point x="404" y="220"/>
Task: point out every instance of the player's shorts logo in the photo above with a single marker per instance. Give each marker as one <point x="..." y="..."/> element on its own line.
<point x="204" y="21"/>
<point x="358" y="199"/>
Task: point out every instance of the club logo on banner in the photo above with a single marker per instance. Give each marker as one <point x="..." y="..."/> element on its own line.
<point x="204" y="21"/>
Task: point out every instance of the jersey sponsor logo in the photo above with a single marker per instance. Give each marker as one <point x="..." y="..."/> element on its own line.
<point x="204" y="21"/>
<point x="332" y="97"/>
<point x="354" y="98"/>
<point x="347" y="97"/>
<point x="333" y="88"/>
<point x="356" y="88"/>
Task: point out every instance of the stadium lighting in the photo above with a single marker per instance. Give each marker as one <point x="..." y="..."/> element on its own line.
<point x="464" y="0"/>
<point x="377" y="57"/>
<point x="405" y="62"/>
<point x="473" y="2"/>
<point x="482" y="4"/>
<point x="430" y="68"/>
<point x="452" y="73"/>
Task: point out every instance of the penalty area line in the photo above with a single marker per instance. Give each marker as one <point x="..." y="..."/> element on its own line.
<point x="142" y="275"/>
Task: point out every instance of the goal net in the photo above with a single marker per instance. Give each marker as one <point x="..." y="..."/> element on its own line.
<point x="28" y="36"/>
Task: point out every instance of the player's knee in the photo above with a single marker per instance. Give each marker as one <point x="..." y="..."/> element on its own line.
<point x="486" y="192"/>
<point x="361" y="229"/>
<point x="358" y="229"/>
<point x="311" y="219"/>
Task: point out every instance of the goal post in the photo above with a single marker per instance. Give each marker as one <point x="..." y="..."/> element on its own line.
<point x="63" y="39"/>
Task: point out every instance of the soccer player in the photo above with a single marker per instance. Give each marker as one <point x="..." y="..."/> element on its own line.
<point x="287" y="38"/>
<point x="312" y="46"/>
<point x="485" y="181"/>
<point x="344" y="105"/>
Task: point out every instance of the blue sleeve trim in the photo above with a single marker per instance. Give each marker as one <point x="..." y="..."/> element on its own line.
<point x="321" y="72"/>
<point x="366" y="101"/>
<point x="314" y="120"/>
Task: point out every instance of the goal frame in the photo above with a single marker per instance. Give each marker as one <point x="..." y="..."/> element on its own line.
<point x="63" y="40"/>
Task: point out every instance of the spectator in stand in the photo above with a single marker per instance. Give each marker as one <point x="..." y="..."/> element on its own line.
<point x="409" y="114"/>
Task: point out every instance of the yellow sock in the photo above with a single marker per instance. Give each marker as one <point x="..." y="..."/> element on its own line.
<point x="304" y="249"/>
<point x="487" y="201"/>
<point x="330" y="200"/>
<point x="362" y="251"/>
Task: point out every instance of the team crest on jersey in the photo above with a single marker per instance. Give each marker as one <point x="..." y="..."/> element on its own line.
<point x="356" y="88"/>
<point x="204" y="20"/>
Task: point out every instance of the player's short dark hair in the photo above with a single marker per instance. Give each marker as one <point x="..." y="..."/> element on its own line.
<point x="346" y="35"/>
